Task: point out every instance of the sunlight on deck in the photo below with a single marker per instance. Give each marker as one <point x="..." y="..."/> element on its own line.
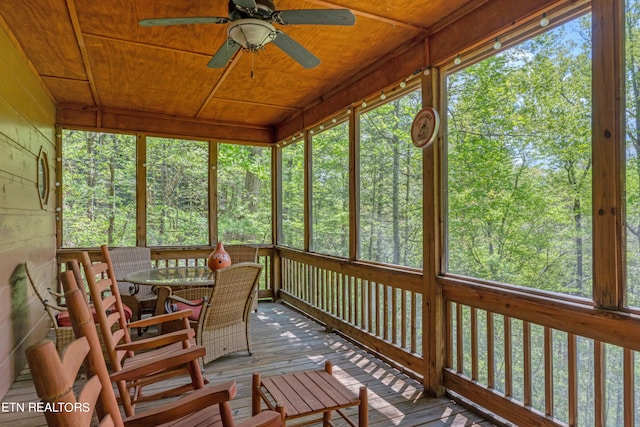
<point x="286" y="341"/>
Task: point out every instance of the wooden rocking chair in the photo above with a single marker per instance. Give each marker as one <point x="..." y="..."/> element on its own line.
<point x="158" y="358"/>
<point x="54" y="379"/>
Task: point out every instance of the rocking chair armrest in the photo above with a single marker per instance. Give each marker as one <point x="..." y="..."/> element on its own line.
<point x="193" y="402"/>
<point x="158" y="340"/>
<point x="161" y="318"/>
<point x="160" y="362"/>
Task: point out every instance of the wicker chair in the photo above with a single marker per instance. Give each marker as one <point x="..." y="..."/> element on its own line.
<point x="223" y="323"/>
<point x="141" y="299"/>
<point x="54" y="380"/>
<point x="244" y="253"/>
<point x="63" y="330"/>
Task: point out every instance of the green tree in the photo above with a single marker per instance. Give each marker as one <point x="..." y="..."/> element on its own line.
<point x="519" y="181"/>
<point x="293" y="195"/>
<point x="391" y="184"/>
<point x="99" y="189"/>
<point x="330" y="191"/>
<point x="244" y="194"/>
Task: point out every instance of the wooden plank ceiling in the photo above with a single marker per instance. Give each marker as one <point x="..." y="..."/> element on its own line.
<point x="93" y="55"/>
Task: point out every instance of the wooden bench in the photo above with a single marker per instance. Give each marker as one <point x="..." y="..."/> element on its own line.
<point x="306" y="393"/>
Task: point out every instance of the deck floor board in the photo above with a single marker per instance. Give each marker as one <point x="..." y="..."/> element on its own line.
<point x="286" y="341"/>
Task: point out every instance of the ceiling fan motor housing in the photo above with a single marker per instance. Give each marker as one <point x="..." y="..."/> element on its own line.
<point x="264" y="10"/>
<point x="251" y="33"/>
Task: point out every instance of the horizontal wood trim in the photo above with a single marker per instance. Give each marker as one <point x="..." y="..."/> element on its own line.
<point x="484" y="24"/>
<point x="162" y="125"/>
<point x="496" y="402"/>
<point x="384" y="349"/>
<point x="477" y="27"/>
<point x="398" y="278"/>
<point x="383" y="74"/>
<point x="617" y="328"/>
<point x="157" y="253"/>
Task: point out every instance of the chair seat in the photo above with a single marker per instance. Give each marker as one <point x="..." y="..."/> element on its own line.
<point x="65" y="321"/>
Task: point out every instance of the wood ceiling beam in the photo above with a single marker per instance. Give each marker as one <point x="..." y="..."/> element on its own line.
<point x="75" y="22"/>
<point x="220" y="81"/>
<point x="375" y="17"/>
<point x="119" y="120"/>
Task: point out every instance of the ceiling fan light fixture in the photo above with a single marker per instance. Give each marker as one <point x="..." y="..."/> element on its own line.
<point x="252" y="34"/>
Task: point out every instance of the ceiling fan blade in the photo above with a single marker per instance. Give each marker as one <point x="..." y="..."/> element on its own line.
<point x="295" y="50"/>
<point x="247" y="4"/>
<point x="224" y="54"/>
<point x="316" y="16"/>
<point x="153" y="22"/>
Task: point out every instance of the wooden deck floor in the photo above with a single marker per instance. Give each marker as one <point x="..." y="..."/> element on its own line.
<point x="285" y="341"/>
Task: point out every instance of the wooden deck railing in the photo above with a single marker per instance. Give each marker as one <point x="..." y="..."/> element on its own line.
<point x="531" y="358"/>
<point x="379" y="307"/>
<point x="168" y="257"/>
<point x="541" y="360"/>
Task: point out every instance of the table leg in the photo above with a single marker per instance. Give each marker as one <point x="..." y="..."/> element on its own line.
<point x="326" y="419"/>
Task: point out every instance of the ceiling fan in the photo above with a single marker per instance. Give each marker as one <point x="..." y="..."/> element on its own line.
<point x="251" y="28"/>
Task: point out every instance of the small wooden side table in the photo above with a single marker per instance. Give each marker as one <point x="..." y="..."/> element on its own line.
<point x="305" y="393"/>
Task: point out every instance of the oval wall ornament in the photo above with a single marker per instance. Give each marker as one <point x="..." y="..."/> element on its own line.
<point x="425" y="127"/>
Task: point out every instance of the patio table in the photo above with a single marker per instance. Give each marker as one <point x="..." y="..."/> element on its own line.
<point x="172" y="277"/>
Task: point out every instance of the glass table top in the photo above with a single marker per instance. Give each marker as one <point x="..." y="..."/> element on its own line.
<point x="173" y="276"/>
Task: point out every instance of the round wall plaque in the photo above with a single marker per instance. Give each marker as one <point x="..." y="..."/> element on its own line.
<point x="425" y="127"/>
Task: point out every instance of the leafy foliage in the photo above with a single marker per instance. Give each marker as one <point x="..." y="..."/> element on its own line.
<point x="293" y="195"/>
<point x="244" y="194"/>
<point x="177" y="192"/>
<point x="99" y="189"/>
<point x="391" y="184"/>
<point x="330" y="191"/>
<point x="519" y="165"/>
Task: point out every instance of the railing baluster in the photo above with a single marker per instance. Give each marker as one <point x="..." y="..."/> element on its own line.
<point x="459" y="340"/>
<point x="393" y="313"/>
<point x="572" y="348"/>
<point x="508" y="357"/>
<point x="474" y="343"/>
<point x="629" y="388"/>
<point x="339" y="309"/>
<point x="368" y="307"/>
<point x="548" y="371"/>
<point x="491" y="357"/>
<point x="414" y="324"/>
<point x="362" y="306"/>
<point x="526" y="355"/>
<point x="599" y="383"/>
<point x="405" y="314"/>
